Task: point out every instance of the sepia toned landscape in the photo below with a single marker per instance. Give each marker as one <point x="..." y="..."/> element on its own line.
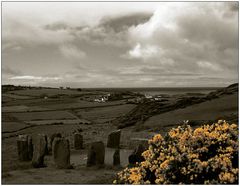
<point x="120" y="93"/>
<point x="33" y="111"/>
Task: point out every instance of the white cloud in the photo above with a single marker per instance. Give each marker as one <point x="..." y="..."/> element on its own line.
<point x="146" y="79"/>
<point x="209" y="66"/>
<point x="143" y="52"/>
<point x="71" y="51"/>
<point x="191" y="37"/>
<point x="163" y="18"/>
<point x="35" y="78"/>
<point x="22" y="32"/>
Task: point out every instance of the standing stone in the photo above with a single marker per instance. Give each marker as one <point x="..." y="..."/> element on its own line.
<point x="116" y="157"/>
<point x="30" y="148"/>
<point x="61" y="153"/>
<point x="22" y="146"/>
<point x="136" y="156"/>
<point x="46" y="148"/>
<point x="55" y="135"/>
<point x="50" y="141"/>
<point x="114" y="139"/>
<point x="96" y="154"/>
<point x="49" y="145"/>
<point x="39" y="151"/>
<point x="78" y="141"/>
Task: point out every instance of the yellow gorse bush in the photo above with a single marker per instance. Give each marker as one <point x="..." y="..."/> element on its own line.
<point x="206" y="155"/>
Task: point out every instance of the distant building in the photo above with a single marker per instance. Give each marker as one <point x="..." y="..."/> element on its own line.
<point x="148" y="96"/>
<point x="138" y="100"/>
<point x="101" y="99"/>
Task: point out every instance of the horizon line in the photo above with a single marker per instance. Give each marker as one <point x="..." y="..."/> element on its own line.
<point x="121" y="87"/>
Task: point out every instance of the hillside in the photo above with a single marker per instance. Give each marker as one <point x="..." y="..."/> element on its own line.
<point x="225" y="107"/>
<point x="226" y="97"/>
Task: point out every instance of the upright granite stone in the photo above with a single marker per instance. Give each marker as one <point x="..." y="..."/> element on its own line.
<point x="49" y="145"/>
<point x="136" y="156"/>
<point x="22" y="147"/>
<point x="46" y="148"/>
<point x="50" y="141"/>
<point x="61" y="153"/>
<point x="39" y="151"/>
<point x="114" y="139"/>
<point x="96" y="154"/>
<point x="78" y="141"/>
<point x="30" y="148"/>
<point x="116" y="157"/>
<point x="55" y="135"/>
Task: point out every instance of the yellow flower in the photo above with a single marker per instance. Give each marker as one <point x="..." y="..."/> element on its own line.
<point x="172" y="134"/>
<point x="234" y="126"/>
<point x="157" y="138"/>
<point x="193" y="156"/>
<point x="135" y="175"/>
<point x="229" y="149"/>
<point x="164" y="165"/>
<point x="185" y="147"/>
<point x="183" y="170"/>
<point x="226" y="177"/>
<point x="204" y="164"/>
<point x="160" y="179"/>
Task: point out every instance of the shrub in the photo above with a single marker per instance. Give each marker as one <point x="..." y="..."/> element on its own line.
<point x="206" y="155"/>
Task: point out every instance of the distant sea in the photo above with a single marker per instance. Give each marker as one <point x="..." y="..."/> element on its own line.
<point x="169" y="91"/>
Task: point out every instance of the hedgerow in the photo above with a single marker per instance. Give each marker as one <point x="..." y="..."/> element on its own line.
<point x="206" y="155"/>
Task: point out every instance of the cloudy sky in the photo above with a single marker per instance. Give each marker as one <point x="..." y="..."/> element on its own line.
<point x="120" y="44"/>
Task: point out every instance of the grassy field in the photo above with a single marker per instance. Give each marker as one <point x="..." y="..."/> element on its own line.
<point x="52" y="92"/>
<point x="13" y="126"/>
<point x="210" y="110"/>
<point x="30" y="116"/>
<point x="81" y="104"/>
<point x="25" y="112"/>
<point x="96" y="121"/>
<point x="15" y="96"/>
<point x="104" y="113"/>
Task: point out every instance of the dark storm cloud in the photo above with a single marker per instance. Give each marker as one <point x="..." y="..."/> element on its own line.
<point x="231" y="10"/>
<point x="10" y="72"/>
<point x="109" y="31"/>
<point x="121" y="23"/>
<point x="233" y="6"/>
<point x="56" y="26"/>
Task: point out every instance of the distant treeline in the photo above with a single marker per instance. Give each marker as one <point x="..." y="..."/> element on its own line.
<point x="6" y="88"/>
